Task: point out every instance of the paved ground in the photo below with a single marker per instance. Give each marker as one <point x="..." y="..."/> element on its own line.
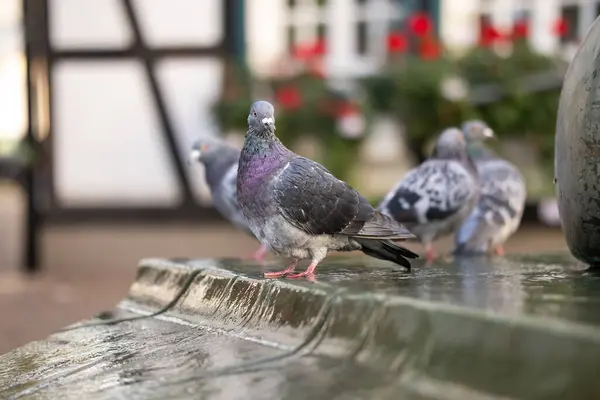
<point x="89" y="268"/>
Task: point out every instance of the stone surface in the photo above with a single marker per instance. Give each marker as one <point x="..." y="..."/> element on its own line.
<point x="577" y="151"/>
<point x="523" y="327"/>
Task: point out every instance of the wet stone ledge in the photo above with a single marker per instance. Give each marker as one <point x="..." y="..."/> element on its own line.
<point x="460" y="329"/>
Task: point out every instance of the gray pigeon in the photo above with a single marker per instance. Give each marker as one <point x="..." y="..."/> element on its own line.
<point x="503" y="194"/>
<point x="298" y="209"/>
<point x="220" y="166"/>
<point x="434" y="198"/>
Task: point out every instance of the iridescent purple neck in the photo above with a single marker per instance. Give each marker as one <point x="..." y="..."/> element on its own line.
<point x="262" y="156"/>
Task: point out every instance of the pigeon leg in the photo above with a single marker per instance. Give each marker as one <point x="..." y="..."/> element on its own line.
<point x="499" y="250"/>
<point x="259" y="255"/>
<point x="429" y="253"/>
<point x="278" y="274"/>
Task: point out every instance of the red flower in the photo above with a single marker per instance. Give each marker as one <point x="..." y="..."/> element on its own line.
<point x="420" y="24"/>
<point x="396" y="43"/>
<point x="429" y="49"/>
<point x="520" y="30"/>
<point x="302" y="52"/>
<point x="560" y="27"/>
<point x="289" y="98"/>
<point x="308" y="51"/>
<point x="489" y="35"/>
<point x="319" y="48"/>
<point x="345" y="108"/>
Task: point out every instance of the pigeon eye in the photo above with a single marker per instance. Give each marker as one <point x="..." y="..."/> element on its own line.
<point x="254" y="113"/>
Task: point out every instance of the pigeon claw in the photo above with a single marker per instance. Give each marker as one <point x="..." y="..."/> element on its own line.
<point x="278" y="274"/>
<point x="310" y="272"/>
<point x="310" y="277"/>
<point x="499" y="251"/>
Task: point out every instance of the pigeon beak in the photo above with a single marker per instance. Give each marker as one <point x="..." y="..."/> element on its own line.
<point x="488" y="133"/>
<point x="268" y="121"/>
<point x="194" y="156"/>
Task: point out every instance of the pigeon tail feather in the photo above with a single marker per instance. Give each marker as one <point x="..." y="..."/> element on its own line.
<point x="386" y="250"/>
<point x="384" y="226"/>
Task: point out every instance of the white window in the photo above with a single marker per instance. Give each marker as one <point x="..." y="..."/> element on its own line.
<point x="578" y="15"/>
<point x="354" y="31"/>
<point x="306" y="22"/>
<point x="503" y="14"/>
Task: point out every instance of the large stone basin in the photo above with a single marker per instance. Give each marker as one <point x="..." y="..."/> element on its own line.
<point x="577" y="153"/>
<point x="215" y="329"/>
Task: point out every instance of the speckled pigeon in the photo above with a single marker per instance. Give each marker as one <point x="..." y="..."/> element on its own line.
<point x="434" y="198"/>
<point x="498" y="213"/>
<point x="220" y="167"/>
<point x="298" y="209"/>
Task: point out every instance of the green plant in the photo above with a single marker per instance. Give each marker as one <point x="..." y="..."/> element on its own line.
<point x="231" y="110"/>
<point x="420" y="103"/>
<point x="496" y="87"/>
<point x="305" y="105"/>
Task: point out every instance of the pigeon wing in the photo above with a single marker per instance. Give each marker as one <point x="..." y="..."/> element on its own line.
<point x="502" y="201"/>
<point x="431" y="192"/>
<point x="314" y="201"/>
<point x="503" y="193"/>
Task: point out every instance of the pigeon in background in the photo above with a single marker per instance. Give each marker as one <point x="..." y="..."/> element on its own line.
<point x="434" y="198"/>
<point x="498" y="213"/>
<point x="298" y="209"/>
<point x="220" y="167"/>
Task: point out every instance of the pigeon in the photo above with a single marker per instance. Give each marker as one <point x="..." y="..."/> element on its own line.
<point x="220" y="166"/>
<point x="434" y="198"/>
<point x="498" y="213"/>
<point x="298" y="209"/>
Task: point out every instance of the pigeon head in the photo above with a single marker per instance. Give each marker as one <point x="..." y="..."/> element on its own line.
<point x="261" y="117"/>
<point x="450" y="144"/>
<point x="477" y="131"/>
<point x="207" y="150"/>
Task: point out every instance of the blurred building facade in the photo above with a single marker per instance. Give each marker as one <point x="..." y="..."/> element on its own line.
<point x="355" y="30"/>
<point x="12" y="72"/>
<point x="116" y="111"/>
<point x="126" y="86"/>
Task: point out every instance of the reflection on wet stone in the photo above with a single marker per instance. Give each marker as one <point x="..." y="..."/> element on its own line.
<point x="363" y="330"/>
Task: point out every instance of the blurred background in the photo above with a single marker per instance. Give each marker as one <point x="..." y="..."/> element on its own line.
<point x="100" y="101"/>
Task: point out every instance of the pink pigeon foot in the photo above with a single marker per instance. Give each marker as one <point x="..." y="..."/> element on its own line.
<point x="499" y="251"/>
<point x="309" y="273"/>
<point x="278" y="274"/>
